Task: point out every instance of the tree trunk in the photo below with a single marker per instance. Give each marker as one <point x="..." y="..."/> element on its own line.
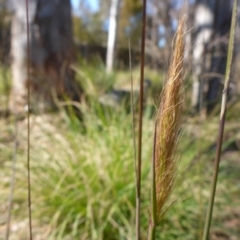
<point x="212" y="24"/>
<point x="112" y="32"/>
<point x="222" y="23"/>
<point x="51" y="51"/>
<point x="203" y="23"/>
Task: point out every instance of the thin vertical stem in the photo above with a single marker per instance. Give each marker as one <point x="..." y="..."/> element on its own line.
<point x="153" y="220"/>
<point x="133" y="129"/>
<point x="133" y="111"/>
<point x="139" y="160"/>
<point x="133" y="124"/>
<point x="221" y="123"/>
<point x="28" y="125"/>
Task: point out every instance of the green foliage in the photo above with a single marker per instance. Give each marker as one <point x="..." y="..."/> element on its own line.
<point x="83" y="174"/>
<point x="4" y="81"/>
<point x="90" y="28"/>
<point x="82" y="186"/>
<point x="79" y="31"/>
<point x="5" y="85"/>
<point x="130" y="23"/>
<point x="90" y="32"/>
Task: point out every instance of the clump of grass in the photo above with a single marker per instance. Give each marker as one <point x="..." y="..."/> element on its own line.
<point x="83" y="184"/>
<point x="83" y="181"/>
<point x="167" y="127"/>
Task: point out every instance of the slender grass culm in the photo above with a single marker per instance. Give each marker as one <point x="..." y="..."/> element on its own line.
<point x="221" y="122"/>
<point x="140" y="123"/>
<point x="167" y="127"/>
<point x="28" y="126"/>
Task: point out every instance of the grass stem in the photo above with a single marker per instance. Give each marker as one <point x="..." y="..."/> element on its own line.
<point x="221" y="123"/>
<point x="139" y="158"/>
<point x="133" y="129"/>
<point x="153" y="221"/>
<point x="28" y="126"/>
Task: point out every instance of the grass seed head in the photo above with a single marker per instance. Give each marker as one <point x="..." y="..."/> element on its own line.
<point x="168" y="122"/>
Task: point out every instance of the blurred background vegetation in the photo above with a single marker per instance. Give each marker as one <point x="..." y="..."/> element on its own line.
<point x="82" y="155"/>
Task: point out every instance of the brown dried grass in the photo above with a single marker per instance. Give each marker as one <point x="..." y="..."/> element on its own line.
<point x="168" y="122"/>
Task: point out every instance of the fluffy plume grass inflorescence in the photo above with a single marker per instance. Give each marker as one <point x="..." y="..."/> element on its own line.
<point x="168" y="123"/>
<point x="167" y="127"/>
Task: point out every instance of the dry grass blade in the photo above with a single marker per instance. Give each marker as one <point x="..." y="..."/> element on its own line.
<point x="133" y="110"/>
<point x="167" y="127"/>
<point x="133" y="125"/>
<point x="139" y="157"/>
<point x="28" y="125"/>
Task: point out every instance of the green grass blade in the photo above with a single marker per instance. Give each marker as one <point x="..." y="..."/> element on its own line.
<point x="221" y="123"/>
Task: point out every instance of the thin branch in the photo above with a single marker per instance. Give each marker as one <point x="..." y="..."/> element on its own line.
<point x="221" y="123"/>
<point x="139" y="160"/>
<point x="28" y="125"/>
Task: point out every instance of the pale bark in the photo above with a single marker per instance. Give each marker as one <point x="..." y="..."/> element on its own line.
<point x="19" y="52"/>
<point x="112" y="33"/>
<point x="211" y="26"/>
<point x="51" y="50"/>
<point x="203" y="23"/>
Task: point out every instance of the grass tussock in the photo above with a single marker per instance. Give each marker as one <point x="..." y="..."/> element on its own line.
<point x="83" y="179"/>
<point x="83" y="172"/>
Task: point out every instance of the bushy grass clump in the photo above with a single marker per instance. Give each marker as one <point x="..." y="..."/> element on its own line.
<point x="82" y="175"/>
<point x="85" y="182"/>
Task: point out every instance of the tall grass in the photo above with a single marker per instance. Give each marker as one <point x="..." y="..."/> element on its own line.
<point x="82" y="172"/>
<point x="83" y="183"/>
<point x="221" y="122"/>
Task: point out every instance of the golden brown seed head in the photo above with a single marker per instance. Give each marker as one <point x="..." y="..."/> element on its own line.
<point x="168" y="122"/>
